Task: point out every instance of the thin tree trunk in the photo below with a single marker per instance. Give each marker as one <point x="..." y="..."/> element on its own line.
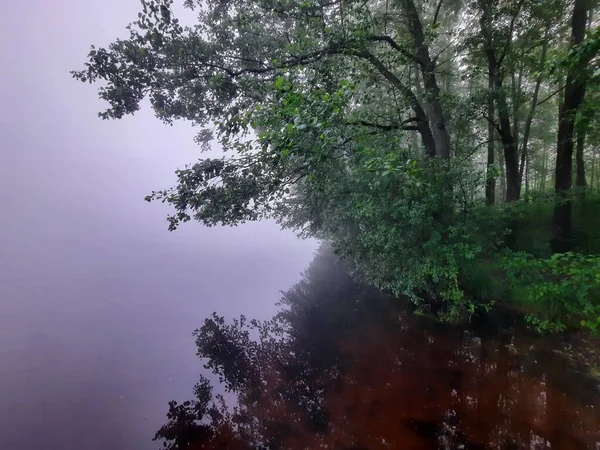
<point x="417" y="86"/>
<point x="597" y="171"/>
<point x="516" y="82"/>
<point x="506" y="136"/>
<point x="573" y="97"/>
<point x="532" y="108"/>
<point x="580" y="178"/>
<point x="490" y="183"/>
<point x="510" y="151"/>
<point x="526" y="176"/>
<point x="502" y="177"/>
<point x="544" y="173"/>
<point x="593" y="170"/>
<point x="542" y="177"/>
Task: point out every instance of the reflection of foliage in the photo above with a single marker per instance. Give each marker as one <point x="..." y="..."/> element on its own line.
<point x="340" y="366"/>
<point x="185" y="424"/>
<point x="193" y="424"/>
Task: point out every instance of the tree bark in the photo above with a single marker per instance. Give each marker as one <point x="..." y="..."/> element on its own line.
<point x="511" y="159"/>
<point x="573" y="97"/>
<point x="516" y="83"/>
<point x="414" y="137"/>
<point x="532" y="108"/>
<point x="490" y="183"/>
<point x="422" y="123"/>
<point x="580" y="180"/>
<point x="502" y="178"/>
<point x="437" y="121"/>
<point x="510" y="151"/>
<point x="593" y="171"/>
<point x="544" y="173"/>
<point x="526" y="177"/>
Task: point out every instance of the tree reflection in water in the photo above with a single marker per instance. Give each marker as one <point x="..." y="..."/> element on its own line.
<point x="343" y="367"/>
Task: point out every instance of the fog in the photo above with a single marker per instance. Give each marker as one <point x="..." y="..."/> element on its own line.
<point x="97" y="299"/>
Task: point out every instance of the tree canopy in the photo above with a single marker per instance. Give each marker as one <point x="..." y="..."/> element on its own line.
<point x="381" y="126"/>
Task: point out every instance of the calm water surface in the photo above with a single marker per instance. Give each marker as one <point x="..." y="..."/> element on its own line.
<point x="341" y="367"/>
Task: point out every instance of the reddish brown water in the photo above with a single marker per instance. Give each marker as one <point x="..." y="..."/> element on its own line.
<point x="355" y="371"/>
<point x="417" y="388"/>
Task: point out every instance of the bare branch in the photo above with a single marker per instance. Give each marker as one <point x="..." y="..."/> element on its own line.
<point x="295" y="61"/>
<point x="477" y="147"/>
<point x="550" y="96"/>
<point x="491" y="120"/>
<point x="510" y="32"/>
<point x="394" y="45"/>
<point x="401" y="126"/>
<point x="437" y="12"/>
<point x="391" y="77"/>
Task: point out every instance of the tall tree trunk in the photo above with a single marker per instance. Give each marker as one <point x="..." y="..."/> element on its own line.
<point x="516" y="83"/>
<point x="490" y="182"/>
<point x="580" y="177"/>
<point x="526" y="176"/>
<point x="422" y="122"/>
<point x="502" y="177"/>
<point x="414" y="137"/>
<point x="540" y="180"/>
<point x="593" y="169"/>
<point x="511" y="159"/>
<point x="426" y="136"/>
<point x="597" y="172"/>
<point x="573" y="97"/>
<point x="544" y="174"/>
<point x="437" y="121"/>
<point x="510" y="151"/>
<point x="532" y="108"/>
<point x="580" y="180"/>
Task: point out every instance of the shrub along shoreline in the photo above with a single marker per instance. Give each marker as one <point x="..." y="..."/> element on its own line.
<point x="514" y="267"/>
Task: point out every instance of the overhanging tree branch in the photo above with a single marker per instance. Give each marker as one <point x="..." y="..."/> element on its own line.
<point x="421" y="118"/>
<point x="437" y="12"/>
<point x="291" y="62"/>
<point x="402" y="126"/>
<point x="392" y="43"/>
<point x="510" y="32"/>
<point x="550" y="96"/>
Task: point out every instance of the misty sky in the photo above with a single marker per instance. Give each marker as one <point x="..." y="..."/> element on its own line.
<point x="97" y="299"/>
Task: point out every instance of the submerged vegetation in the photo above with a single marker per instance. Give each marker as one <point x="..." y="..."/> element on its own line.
<point x="447" y="150"/>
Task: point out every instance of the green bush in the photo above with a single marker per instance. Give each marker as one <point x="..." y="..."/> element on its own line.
<point x="561" y="291"/>
<point x="586" y="222"/>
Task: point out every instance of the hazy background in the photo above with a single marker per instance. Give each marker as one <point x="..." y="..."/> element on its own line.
<point x="97" y="299"/>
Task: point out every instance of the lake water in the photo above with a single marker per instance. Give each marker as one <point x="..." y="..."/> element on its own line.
<point x="96" y="322"/>
<point x="343" y="367"/>
<point x="92" y="364"/>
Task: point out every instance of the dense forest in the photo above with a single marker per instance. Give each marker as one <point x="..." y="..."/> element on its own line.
<point x="448" y="150"/>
